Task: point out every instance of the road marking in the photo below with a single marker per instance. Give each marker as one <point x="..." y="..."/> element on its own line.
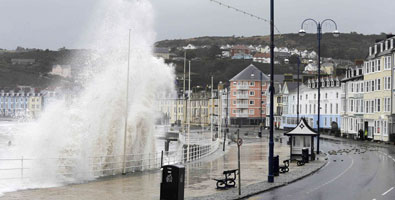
<point x="387" y="191"/>
<point x="387" y="155"/>
<point x="338" y="176"/>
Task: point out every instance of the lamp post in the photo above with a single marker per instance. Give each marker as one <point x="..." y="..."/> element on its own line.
<point x="260" y="125"/>
<point x="297" y="97"/>
<point x="270" y="177"/>
<point x="336" y="33"/>
<point x="226" y="118"/>
<point x="126" y="110"/>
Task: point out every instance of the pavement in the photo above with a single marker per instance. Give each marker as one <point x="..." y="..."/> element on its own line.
<point x="199" y="175"/>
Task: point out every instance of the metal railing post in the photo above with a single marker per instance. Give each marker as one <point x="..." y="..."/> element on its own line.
<point x="161" y="159"/>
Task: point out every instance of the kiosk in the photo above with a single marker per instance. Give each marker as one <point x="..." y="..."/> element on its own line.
<point x="302" y="136"/>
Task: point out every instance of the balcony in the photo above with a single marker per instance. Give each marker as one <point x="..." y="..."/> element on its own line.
<point x="242" y="87"/>
<point x="242" y="96"/>
<point x="242" y="115"/>
<point x="241" y="105"/>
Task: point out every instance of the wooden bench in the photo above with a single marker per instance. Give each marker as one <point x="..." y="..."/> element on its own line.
<point x="229" y="180"/>
<point x="285" y="167"/>
<point x="300" y="162"/>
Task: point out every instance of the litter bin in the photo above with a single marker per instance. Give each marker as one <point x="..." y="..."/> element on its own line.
<point x="172" y="185"/>
<point x="305" y="155"/>
<point x="276" y="168"/>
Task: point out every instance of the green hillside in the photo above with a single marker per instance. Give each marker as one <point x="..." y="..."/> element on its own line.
<point x="348" y="46"/>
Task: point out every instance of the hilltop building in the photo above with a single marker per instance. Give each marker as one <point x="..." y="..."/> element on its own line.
<point x="61" y="70"/>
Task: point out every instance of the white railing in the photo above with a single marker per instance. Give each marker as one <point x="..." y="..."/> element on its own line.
<point x="242" y="115"/>
<point x="241" y="105"/>
<point x="242" y="96"/>
<point x="242" y="87"/>
<point x="106" y="165"/>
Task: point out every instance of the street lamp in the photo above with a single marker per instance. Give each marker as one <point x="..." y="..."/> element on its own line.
<point x="336" y="33"/>
<point x="270" y="177"/>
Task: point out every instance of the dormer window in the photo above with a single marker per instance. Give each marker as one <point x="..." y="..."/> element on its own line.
<point x="375" y="49"/>
<point x="381" y="47"/>
<point x="386" y="45"/>
<point x="392" y="44"/>
<point x="370" y="51"/>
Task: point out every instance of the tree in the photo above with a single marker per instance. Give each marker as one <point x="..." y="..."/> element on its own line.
<point x="214" y="51"/>
<point x="293" y="59"/>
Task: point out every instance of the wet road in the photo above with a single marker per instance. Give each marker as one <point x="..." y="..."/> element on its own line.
<point x="354" y="171"/>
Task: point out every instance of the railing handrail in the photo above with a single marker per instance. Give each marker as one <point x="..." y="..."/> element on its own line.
<point x="110" y="164"/>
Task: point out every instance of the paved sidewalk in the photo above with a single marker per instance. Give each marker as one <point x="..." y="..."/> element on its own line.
<point x="199" y="175"/>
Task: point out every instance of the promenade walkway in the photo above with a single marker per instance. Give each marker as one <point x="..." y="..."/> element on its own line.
<point x="199" y="175"/>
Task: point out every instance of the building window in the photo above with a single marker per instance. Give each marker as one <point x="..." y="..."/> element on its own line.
<point x="252" y="83"/>
<point x="252" y="93"/>
<point x="337" y="95"/>
<point x="378" y="105"/>
<point x="367" y="86"/>
<point x="252" y="102"/>
<point x="326" y="108"/>
<point x="234" y="102"/>
<point x="337" y="108"/>
<point x="251" y="111"/>
<point x="378" y="81"/>
<point x="389" y="82"/>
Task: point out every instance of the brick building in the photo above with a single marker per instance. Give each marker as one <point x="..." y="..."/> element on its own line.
<point x="245" y="103"/>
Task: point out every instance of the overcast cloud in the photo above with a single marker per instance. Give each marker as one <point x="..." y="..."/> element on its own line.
<point x="56" y="23"/>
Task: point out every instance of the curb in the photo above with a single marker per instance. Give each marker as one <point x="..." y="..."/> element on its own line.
<point x="283" y="184"/>
<point x="373" y="143"/>
<point x="275" y="185"/>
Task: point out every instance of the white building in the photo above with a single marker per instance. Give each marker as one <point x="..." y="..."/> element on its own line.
<point x="308" y="104"/>
<point x="190" y="47"/>
<point x="352" y="110"/>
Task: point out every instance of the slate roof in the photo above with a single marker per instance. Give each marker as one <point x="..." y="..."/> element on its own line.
<point x="250" y="73"/>
<point x="292" y="86"/>
<point x="302" y="128"/>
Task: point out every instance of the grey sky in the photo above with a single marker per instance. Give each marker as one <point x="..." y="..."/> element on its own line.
<point x="56" y="23"/>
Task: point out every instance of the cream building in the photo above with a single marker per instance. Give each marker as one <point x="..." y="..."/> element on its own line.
<point x="34" y="104"/>
<point x="378" y="83"/>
